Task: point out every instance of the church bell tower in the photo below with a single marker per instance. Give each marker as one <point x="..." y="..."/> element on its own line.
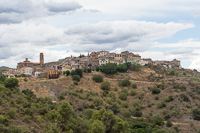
<point x="41" y="59"/>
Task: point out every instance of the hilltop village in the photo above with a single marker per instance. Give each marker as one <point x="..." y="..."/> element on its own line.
<point x="94" y="59"/>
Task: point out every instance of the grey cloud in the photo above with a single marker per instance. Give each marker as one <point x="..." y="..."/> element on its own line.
<point x="62" y="6"/>
<point x="16" y="6"/>
<point x="16" y="11"/>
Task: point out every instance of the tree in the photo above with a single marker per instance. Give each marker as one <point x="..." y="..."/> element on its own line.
<point x="2" y="77"/>
<point x="73" y="72"/>
<point x="97" y="127"/>
<point x="89" y="70"/>
<point x="67" y="72"/>
<point x="11" y="83"/>
<point x="66" y="110"/>
<point x="79" y="72"/>
<point x="122" y="68"/>
<point x="109" y="68"/>
<point x="97" y="78"/>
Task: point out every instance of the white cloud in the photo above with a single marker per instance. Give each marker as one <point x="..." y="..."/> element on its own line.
<point x="188" y="43"/>
<point x="120" y="34"/>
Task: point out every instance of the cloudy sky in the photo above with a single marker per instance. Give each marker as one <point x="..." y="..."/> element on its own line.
<point x="157" y="29"/>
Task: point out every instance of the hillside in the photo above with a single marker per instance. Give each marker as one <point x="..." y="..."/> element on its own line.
<point x="150" y="100"/>
<point x="4" y="68"/>
<point x="178" y="96"/>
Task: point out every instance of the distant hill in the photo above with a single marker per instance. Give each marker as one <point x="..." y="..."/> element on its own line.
<point x="4" y="68"/>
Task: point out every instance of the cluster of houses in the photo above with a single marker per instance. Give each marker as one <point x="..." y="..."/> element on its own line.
<point x="94" y="59"/>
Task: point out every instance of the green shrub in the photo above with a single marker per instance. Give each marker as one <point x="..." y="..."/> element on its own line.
<point x="169" y="99"/>
<point x="14" y="129"/>
<point x="137" y="113"/>
<point x="124" y="90"/>
<point x="134" y="86"/>
<point x="75" y="83"/>
<point x="133" y="92"/>
<point x="158" y="120"/>
<point x="161" y="104"/>
<point x="11" y="83"/>
<point x="115" y="108"/>
<point x="169" y="123"/>
<point x="126" y="113"/>
<point x="27" y="118"/>
<point x="123" y="96"/>
<point x="12" y="113"/>
<point x="88" y="113"/>
<point x="97" y="78"/>
<point x="156" y="98"/>
<point x="105" y="85"/>
<point x="155" y="91"/>
<point x="184" y="97"/>
<point x="172" y="73"/>
<point x="125" y="104"/>
<point x="76" y="78"/>
<point x="124" y="83"/>
<point x="196" y="114"/>
<point x="3" y="120"/>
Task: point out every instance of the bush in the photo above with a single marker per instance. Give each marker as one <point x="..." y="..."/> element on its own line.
<point x="75" y="83"/>
<point x="161" y="104"/>
<point x="156" y="98"/>
<point x="133" y="92"/>
<point x="135" y="67"/>
<point x="134" y="86"/>
<point x="11" y="83"/>
<point x="137" y="113"/>
<point x="3" y="120"/>
<point x="172" y="73"/>
<point x="158" y="120"/>
<point x="98" y="78"/>
<point x="169" y="99"/>
<point x="169" y="123"/>
<point x="12" y="113"/>
<point x="123" y="96"/>
<point x="27" y="118"/>
<point x="184" y="98"/>
<point x="88" y="113"/>
<point x="124" y="90"/>
<point x="124" y="83"/>
<point x="155" y="91"/>
<point x="76" y="78"/>
<point x="196" y="114"/>
<point x="105" y="85"/>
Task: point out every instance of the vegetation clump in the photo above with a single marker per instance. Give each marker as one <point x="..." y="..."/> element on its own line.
<point x="124" y="83"/>
<point x="97" y="78"/>
<point x="105" y="85"/>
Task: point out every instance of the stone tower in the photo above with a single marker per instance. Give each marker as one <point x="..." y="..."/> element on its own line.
<point x="41" y="59"/>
